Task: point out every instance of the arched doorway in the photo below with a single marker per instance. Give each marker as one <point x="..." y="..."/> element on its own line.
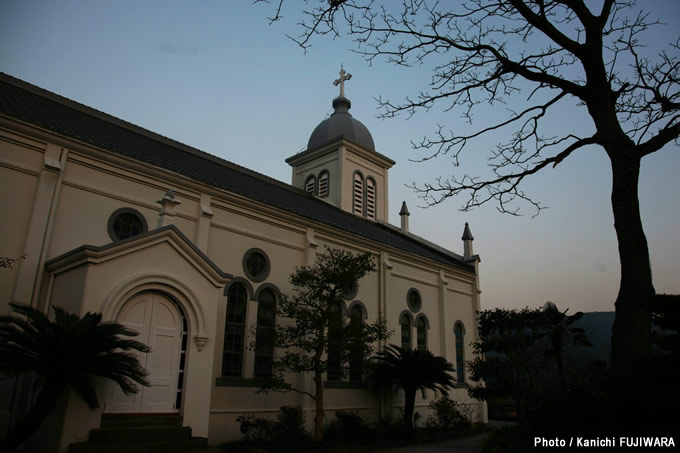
<point x="160" y="325"/>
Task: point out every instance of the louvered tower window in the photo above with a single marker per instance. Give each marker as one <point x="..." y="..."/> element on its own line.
<point x="310" y="184"/>
<point x="370" y="198"/>
<point x="323" y="184"/>
<point x="358" y="195"/>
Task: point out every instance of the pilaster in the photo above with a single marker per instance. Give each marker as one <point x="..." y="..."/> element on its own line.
<point x="445" y="331"/>
<point x="39" y="228"/>
<point x="310" y="247"/>
<point x="204" y="216"/>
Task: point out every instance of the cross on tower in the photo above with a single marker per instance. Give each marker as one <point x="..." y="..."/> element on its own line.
<point x="341" y="81"/>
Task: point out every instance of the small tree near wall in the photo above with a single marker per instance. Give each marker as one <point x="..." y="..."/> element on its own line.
<point x="312" y="334"/>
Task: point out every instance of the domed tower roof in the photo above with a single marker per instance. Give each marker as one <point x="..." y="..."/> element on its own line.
<point x="341" y="124"/>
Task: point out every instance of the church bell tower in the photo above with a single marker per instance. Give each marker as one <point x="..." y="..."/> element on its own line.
<point x="341" y="165"/>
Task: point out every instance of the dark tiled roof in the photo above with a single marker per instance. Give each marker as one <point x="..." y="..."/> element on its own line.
<point x="33" y="105"/>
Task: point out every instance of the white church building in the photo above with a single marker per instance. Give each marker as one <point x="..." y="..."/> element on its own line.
<point x="193" y="251"/>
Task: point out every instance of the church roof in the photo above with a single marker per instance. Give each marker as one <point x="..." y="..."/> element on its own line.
<point x="41" y="108"/>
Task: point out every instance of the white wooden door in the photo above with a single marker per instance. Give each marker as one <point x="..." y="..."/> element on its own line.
<point x="160" y="326"/>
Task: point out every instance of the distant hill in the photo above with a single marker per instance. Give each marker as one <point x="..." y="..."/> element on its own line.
<point x="598" y="327"/>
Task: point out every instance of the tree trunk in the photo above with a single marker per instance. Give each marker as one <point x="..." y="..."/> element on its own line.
<point x="409" y="407"/>
<point x="557" y="341"/>
<point x="318" y="388"/>
<point x="27" y="426"/>
<point x="319" y="410"/>
<point x="631" y="333"/>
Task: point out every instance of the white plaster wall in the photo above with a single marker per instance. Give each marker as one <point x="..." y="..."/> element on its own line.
<point x="93" y="188"/>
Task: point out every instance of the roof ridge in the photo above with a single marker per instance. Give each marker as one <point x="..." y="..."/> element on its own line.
<point x="422" y="241"/>
<point x="4" y="77"/>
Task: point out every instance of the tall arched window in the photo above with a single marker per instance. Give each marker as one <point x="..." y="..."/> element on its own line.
<point x="334" y="343"/>
<point x="459" y="332"/>
<point x="324" y="181"/>
<point x="358" y="194"/>
<point x="405" y="322"/>
<point x="370" y="198"/>
<point x="356" y="318"/>
<point x="264" y="341"/>
<point x="310" y="184"/>
<point x="234" y="331"/>
<point x="421" y="332"/>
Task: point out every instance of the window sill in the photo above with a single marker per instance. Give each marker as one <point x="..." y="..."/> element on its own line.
<point x="228" y="381"/>
<point x="345" y="384"/>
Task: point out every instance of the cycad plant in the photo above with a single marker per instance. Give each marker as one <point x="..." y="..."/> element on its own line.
<point x="558" y="327"/>
<point x="411" y="370"/>
<point x="65" y="353"/>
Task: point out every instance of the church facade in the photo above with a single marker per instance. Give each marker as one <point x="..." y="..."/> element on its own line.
<point x="193" y="252"/>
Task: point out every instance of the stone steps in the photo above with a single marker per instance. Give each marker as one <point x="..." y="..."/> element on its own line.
<point x="132" y="421"/>
<point x="140" y="434"/>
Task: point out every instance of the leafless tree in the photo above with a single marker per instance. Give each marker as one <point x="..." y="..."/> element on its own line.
<point x="534" y="58"/>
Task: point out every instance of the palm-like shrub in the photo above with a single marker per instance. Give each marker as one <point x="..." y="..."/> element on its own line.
<point x="65" y="353"/>
<point x="557" y="325"/>
<point x="411" y="370"/>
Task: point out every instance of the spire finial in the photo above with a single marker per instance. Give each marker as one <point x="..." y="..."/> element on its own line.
<point x="341" y="81"/>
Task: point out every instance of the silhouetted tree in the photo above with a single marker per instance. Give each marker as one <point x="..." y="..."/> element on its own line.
<point x="65" y="353"/>
<point x="509" y="362"/>
<point x="558" y="327"/>
<point x="410" y="371"/>
<point x="312" y="336"/>
<point x="536" y="57"/>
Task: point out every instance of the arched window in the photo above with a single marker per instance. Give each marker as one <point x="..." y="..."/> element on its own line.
<point x="264" y="341"/>
<point x="405" y="322"/>
<point x="324" y="181"/>
<point x="310" y="184"/>
<point x="334" y="343"/>
<point x="421" y="332"/>
<point x="358" y="194"/>
<point x="356" y="318"/>
<point x="370" y="198"/>
<point x="459" y="332"/>
<point x="234" y="331"/>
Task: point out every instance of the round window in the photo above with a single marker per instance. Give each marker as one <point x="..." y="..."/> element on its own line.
<point x="125" y="223"/>
<point x="351" y="292"/>
<point x="256" y="265"/>
<point x="414" y="300"/>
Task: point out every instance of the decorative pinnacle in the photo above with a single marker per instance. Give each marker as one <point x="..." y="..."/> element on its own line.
<point x="467" y="235"/>
<point x="404" y="209"/>
<point x="341" y="81"/>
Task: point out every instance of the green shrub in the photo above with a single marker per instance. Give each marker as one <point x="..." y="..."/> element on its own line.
<point x="390" y="427"/>
<point x="290" y="423"/>
<point x="508" y="439"/>
<point x="447" y="414"/>
<point x="346" y="427"/>
<point x="287" y="429"/>
<point x="257" y="429"/>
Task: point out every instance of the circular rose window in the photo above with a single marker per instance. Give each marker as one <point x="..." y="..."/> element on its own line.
<point x="256" y="265"/>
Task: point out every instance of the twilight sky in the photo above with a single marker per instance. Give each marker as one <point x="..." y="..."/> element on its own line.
<point x="215" y="75"/>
